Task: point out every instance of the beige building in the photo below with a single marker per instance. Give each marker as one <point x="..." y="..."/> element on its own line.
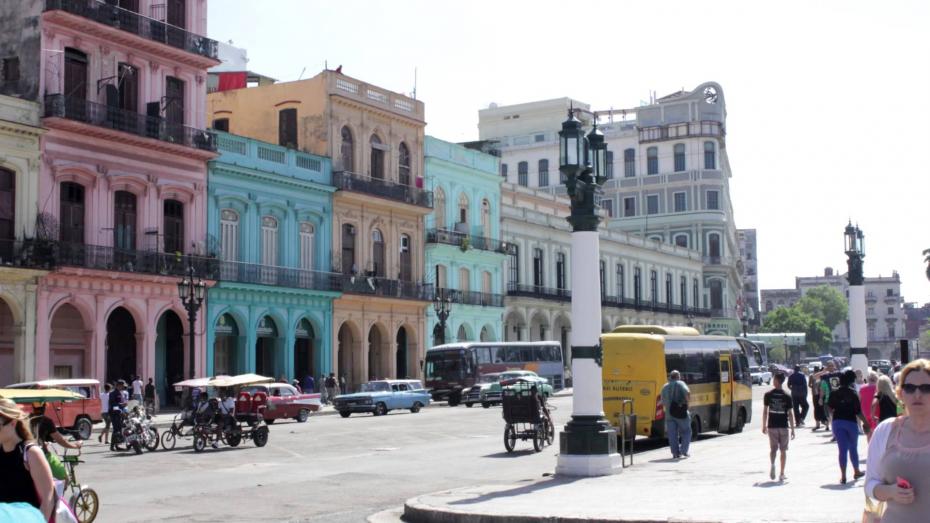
<point x="375" y="138"/>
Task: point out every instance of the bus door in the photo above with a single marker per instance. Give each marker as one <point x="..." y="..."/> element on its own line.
<point x="726" y="393"/>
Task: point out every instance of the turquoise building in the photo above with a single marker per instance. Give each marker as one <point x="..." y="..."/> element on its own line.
<point x="269" y="217"/>
<point x="464" y="254"/>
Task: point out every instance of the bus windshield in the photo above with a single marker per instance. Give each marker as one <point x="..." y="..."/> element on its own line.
<point x="445" y="366"/>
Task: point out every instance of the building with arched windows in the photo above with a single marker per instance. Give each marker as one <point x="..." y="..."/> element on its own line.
<point x="270" y="213"/>
<point x="375" y="139"/>
<point x="464" y="252"/>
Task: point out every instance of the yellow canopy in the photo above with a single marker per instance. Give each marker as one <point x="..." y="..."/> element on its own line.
<point x="39" y="395"/>
<point x="241" y="379"/>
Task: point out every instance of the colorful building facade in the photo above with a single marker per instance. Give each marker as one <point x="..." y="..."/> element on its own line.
<point x="270" y="210"/>
<point x="464" y="252"/>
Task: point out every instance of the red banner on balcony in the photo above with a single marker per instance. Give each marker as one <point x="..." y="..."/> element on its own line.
<point x="230" y="81"/>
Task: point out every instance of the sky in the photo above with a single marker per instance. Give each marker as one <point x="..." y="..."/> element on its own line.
<point x="828" y="113"/>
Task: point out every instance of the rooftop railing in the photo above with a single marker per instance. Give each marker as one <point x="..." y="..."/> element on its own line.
<point x="705" y="128"/>
<point x="143" y="26"/>
<point x="100" y="115"/>
<point x="355" y="182"/>
<point x="464" y="241"/>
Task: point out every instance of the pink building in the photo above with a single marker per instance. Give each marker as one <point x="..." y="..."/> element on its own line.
<point x="122" y="183"/>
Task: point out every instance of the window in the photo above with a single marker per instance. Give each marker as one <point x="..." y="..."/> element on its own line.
<point x="652" y="204"/>
<point x="629" y="206"/>
<point x="376" y="169"/>
<point x="229" y="235"/>
<point x="287" y="128"/>
<point x="652" y="160"/>
<point x="538" y="276"/>
<point x="486" y="282"/>
<point x="269" y="241"/>
<point x="347" y="150"/>
<point x="10" y="70"/>
<point x="713" y="245"/>
<point x="463" y="209"/>
<point x="523" y="173"/>
<point x="608" y="205"/>
<point x="406" y="261"/>
<point x="680" y="204"/>
<point x="486" y="218"/>
<point x="602" y="273"/>
<point x="72" y="213"/>
<point x="439" y="207"/>
<point x="716" y="294"/>
<point x="7" y="211"/>
<point x="504" y="170"/>
<point x="403" y="164"/>
<point x="221" y="124"/>
<point x="544" y="173"/>
<point x="514" y="261"/>
<point x="713" y="200"/>
<point x="668" y="288"/>
<point x="620" y="289"/>
<point x="710" y="156"/>
<point x="890" y="310"/>
<point x="441" y="281"/>
<point x="464" y="280"/>
<point x="307" y="233"/>
<point x="654" y="286"/>
<point x="540" y="138"/>
<point x="560" y="270"/>
<point x="679" y="157"/>
<point x="610" y="164"/>
<point x="891" y="331"/>
<point x="377" y="253"/>
<point x="174" y="226"/>
<point x="348" y="249"/>
<point x="174" y="102"/>
<point x="683" y="292"/>
<point x="696" y="294"/>
<point x="681" y="240"/>
<point x="177" y="13"/>
<point x="637" y="284"/>
<point x="124" y="220"/>
<point x="889" y="292"/>
<point x="128" y="87"/>
<point x="629" y="163"/>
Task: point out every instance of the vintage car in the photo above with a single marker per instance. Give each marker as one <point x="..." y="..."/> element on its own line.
<point x="74" y="416"/>
<point x="512" y="377"/>
<point x="285" y="401"/>
<point x="381" y="396"/>
<point x="760" y="375"/>
<point x="487" y="391"/>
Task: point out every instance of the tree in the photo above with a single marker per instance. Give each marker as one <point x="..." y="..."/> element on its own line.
<point x="777" y="354"/>
<point x="793" y="319"/>
<point x="826" y="304"/>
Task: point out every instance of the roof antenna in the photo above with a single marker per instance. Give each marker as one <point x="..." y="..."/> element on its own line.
<point x="414" y="83"/>
<point x="302" y="71"/>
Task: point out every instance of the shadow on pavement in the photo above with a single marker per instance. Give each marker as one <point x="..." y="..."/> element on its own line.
<point x="554" y="482"/>
<point x="837" y="486"/>
<point x="768" y="484"/>
<point x="514" y="454"/>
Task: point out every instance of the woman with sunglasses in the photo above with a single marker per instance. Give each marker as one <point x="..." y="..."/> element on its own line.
<point x="899" y="453"/>
<point x="24" y="474"/>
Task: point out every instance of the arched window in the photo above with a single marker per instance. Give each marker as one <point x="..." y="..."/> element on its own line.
<point x="269" y="241"/>
<point x="464" y="280"/>
<point x="174" y="226"/>
<point x="486" y="282"/>
<point x="229" y="235"/>
<point x="544" y="173"/>
<point x="439" y="207"/>
<point x="403" y="161"/>
<point x="681" y="240"/>
<point x="406" y="258"/>
<point x="377" y="253"/>
<point x="713" y="245"/>
<point x="347" y="150"/>
<point x="679" y="157"/>
<point x="710" y="156"/>
<point x="377" y="158"/>
<point x="652" y="160"/>
<point x="486" y="218"/>
<point x="716" y="294"/>
<point x="463" y="209"/>
<point x="307" y="234"/>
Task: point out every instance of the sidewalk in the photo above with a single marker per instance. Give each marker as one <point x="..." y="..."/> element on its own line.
<point x="726" y="480"/>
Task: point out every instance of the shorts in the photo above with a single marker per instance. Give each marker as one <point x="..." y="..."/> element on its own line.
<point x="106" y="420"/>
<point x="778" y="439"/>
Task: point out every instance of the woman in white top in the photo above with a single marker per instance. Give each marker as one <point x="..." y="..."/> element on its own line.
<point x="899" y="453"/>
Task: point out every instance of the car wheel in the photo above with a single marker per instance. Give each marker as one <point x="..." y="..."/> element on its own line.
<point x="485" y="404"/>
<point x="469" y="404"/>
<point x="740" y="422"/>
<point x="345" y="413"/>
<point x="380" y="409"/>
<point x="416" y="407"/>
<point x="302" y="416"/>
<point x="83" y="428"/>
<point x="695" y="427"/>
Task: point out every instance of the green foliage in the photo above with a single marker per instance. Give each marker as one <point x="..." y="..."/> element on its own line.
<point x="793" y="319"/>
<point x="777" y="355"/>
<point x="826" y="304"/>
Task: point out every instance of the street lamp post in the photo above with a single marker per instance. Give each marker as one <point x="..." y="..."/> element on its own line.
<point x="191" y="293"/>
<point x="442" y="306"/>
<point x="588" y="444"/>
<point x="858" y="341"/>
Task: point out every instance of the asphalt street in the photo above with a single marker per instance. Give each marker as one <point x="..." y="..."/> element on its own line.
<point x="328" y="469"/>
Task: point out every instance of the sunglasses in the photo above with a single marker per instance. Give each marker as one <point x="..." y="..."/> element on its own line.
<point x="910" y="388"/>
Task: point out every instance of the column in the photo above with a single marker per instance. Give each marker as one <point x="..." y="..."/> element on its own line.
<point x="42" y="340"/>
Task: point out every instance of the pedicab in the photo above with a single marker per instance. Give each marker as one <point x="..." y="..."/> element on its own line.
<point x="184" y="421"/>
<point x="247" y="422"/>
<point x="526" y="417"/>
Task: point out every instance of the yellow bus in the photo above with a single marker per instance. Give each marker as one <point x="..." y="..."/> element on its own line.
<point x="638" y="358"/>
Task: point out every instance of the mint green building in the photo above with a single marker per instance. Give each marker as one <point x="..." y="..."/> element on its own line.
<point x="464" y="252"/>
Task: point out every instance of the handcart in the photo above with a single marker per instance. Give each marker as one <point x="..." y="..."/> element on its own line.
<point x="526" y="417"/>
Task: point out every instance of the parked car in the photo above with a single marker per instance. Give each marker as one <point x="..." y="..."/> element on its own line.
<point x="285" y="402"/>
<point x="883" y="366"/>
<point x="487" y="391"/>
<point x="382" y="396"/>
<point x="760" y="375"/>
<point x="75" y="416"/>
<point x="513" y="376"/>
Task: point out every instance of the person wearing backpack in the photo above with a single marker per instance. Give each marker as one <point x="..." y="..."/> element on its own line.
<point x="846" y="408"/>
<point x="675" y="397"/>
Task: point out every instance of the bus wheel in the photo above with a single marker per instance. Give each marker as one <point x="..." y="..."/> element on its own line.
<point x="740" y="422"/>
<point x="695" y="427"/>
<point x="454" y="399"/>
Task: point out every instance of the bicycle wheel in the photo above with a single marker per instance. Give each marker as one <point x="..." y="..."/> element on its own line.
<point x="550" y="431"/>
<point x="151" y="439"/>
<point x="539" y="436"/>
<point x="168" y="440"/>
<point x="510" y="437"/>
<point x="85" y="504"/>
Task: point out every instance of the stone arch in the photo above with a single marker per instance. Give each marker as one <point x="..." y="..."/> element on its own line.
<point x="378" y="351"/>
<point x="539" y="327"/>
<point x="487" y="333"/>
<point x="123" y="343"/>
<point x="349" y="363"/>
<point x="464" y="332"/>
<point x="11" y="337"/>
<point x="406" y="352"/>
<point x="269" y="344"/>
<point x="514" y="323"/>
<point x="307" y="357"/>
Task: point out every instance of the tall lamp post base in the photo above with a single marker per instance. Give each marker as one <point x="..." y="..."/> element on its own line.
<point x="588" y="447"/>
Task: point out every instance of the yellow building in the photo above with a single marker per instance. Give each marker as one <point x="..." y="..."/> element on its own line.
<point x="375" y="139"/>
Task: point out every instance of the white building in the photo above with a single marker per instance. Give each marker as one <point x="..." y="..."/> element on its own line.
<point x="751" y="312"/>
<point x="668" y="177"/>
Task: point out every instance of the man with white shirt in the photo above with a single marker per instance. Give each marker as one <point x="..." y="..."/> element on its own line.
<point x="137" y="389"/>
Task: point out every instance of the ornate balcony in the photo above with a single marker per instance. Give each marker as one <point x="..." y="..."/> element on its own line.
<point x="483" y="299"/>
<point x="103" y="116"/>
<point x="383" y="287"/>
<point x="27" y="254"/>
<point x="464" y="241"/>
<point x="291" y="277"/>
<point x="138" y="25"/>
<point x="350" y="181"/>
<point x="537" y="291"/>
<point x="127" y="260"/>
<point x="704" y="128"/>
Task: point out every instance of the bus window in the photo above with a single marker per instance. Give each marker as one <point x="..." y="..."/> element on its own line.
<point x="711" y="367"/>
<point x="497" y="354"/>
<point x="694" y="368"/>
<point x="741" y="369"/>
<point x="553" y="354"/>
<point x="529" y="354"/>
<point x="674" y="362"/>
<point x="484" y="355"/>
<point x="512" y="354"/>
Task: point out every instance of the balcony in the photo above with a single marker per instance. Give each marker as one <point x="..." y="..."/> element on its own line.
<point x="349" y="181"/>
<point x="105" y="258"/>
<point x="537" y="291"/>
<point x="892" y="298"/>
<point x="290" y="277"/>
<point x="141" y="26"/>
<point x="27" y="254"/>
<point x="383" y="287"/>
<point x="151" y="127"/>
<point x="643" y="305"/>
<point x="870" y="298"/>
<point x="464" y="241"/>
<point x="704" y="128"/>
<point x="483" y="299"/>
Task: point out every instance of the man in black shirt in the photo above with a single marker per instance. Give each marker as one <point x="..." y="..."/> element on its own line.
<point x="777" y="417"/>
<point x="149" y="396"/>
<point x="797" y="384"/>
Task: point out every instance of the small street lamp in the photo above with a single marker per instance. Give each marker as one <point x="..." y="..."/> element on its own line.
<point x="191" y="293"/>
<point x="787" y="352"/>
<point x="442" y="306"/>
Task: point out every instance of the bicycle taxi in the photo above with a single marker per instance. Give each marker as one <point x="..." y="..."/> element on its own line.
<point x="526" y="415"/>
<point x="247" y="420"/>
<point x="184" y="421"/>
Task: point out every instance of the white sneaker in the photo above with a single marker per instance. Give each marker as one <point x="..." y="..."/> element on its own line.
<point x="772" y="472"/>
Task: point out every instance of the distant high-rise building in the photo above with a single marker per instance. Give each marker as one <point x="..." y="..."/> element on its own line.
<point x="747" y="253"/>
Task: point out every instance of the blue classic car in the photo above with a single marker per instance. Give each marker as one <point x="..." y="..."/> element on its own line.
<point x="379" y="397"/>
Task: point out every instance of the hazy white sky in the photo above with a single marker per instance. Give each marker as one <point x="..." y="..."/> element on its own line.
<point x="828" y="102"/>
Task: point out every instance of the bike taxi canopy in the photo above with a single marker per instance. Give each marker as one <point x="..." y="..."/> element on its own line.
<point x="39" y="395"/>
<point x="198" y="382"/>
<point x="241" y="379"/>
<point x="51" y="384"/>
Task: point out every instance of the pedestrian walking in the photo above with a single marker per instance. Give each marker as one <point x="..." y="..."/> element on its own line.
<point x="296" y="385"/>
<point x="866" y="397"/>
<point x="797" y="384"/>
<point x="117" y="402"/>
<point x="820" y="417"/>
<point x="149" y="395"/>
<point x="308" y="384"/>
<point x="26" y="476"/>
<point x="104" y="436"/>
<point x="343" y="386"/>
<point x="137" y="388"/>
<point x="777" y="420"/>
<point x="899" y="453"/>
<point x="675" y="397"/>
<point x="331" y="386"/>
<point x="845" y="410"/>
<point x="885" y="404"/>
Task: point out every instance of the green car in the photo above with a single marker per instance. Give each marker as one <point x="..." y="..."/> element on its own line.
<point x="487" y="391"/>
<point x="512" y="377"/>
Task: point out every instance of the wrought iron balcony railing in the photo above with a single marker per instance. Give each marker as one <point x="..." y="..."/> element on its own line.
<point x="383" y="287"/>
<point x="130" y="260"/>
<point x="125" y="20"/>
<point x="466" y="241"/>
<point x="483" y="299"/>
<point x="27" y="254"/>
<point x="538" y="291"/>
<point x="291" y="277"/>
<point x="100" y="115"/>
<point x="350" y="181"/>
<point x="706" y="128"/>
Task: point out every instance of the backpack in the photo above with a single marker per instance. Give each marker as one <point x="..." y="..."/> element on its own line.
<point x="677" y="409"/>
